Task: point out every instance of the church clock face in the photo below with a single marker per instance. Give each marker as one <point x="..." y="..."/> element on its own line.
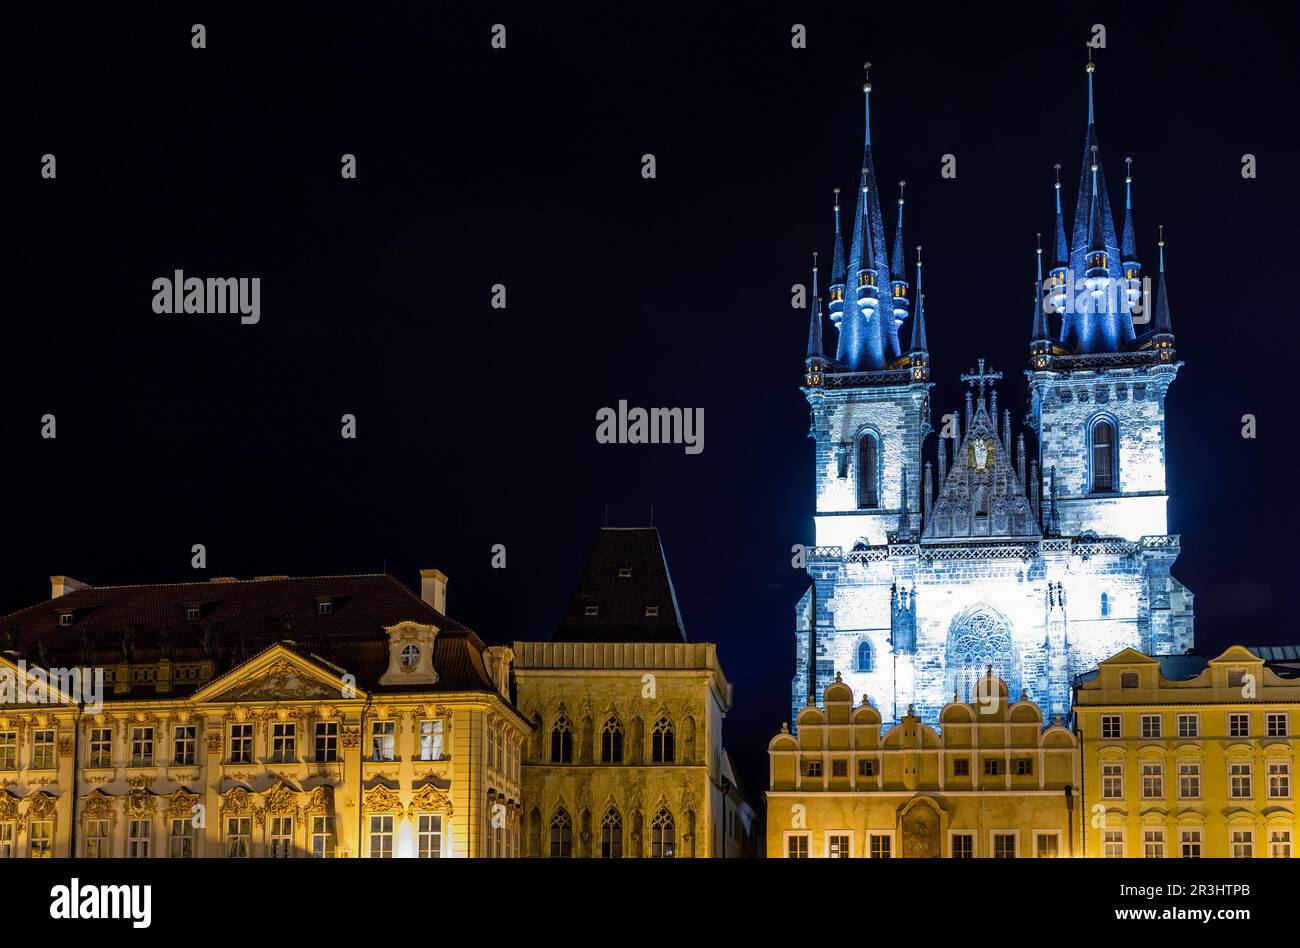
<point x="979" y="454"/>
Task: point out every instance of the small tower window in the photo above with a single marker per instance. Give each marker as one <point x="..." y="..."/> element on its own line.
<point x="1105" y="605"/>
<point x="410" y="656"/>
<point x="862" y="661"/>
<point x="651" y="611"/>
<point x="868" y="472"/>
<point x="192" y="613"/>
<point x="1102" y="453"/>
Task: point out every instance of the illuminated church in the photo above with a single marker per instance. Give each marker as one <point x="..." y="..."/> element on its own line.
<point x="1040" y="553"/>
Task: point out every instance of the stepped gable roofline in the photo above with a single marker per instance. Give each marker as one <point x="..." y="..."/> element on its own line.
<point x="239" y="619"/>
<point x="625" y="593"/>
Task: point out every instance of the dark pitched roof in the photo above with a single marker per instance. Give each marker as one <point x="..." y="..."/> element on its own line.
<point x="626" y="575"/>
<point x="237" y="620"/>
<point x="1279" y="659"/>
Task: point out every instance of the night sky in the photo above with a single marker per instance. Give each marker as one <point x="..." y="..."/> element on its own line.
<point x="522" y="166"/>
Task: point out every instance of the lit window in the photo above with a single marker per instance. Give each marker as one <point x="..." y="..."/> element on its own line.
<point x="184" y="741"/>
<point x="284" y="742"/>
<point x="1047" y="846"/>
<point x="431" y="740"/>
<point x="138" y="839"/>
<point x="281" y="837"/>
<point x="97" y="839"/>
<point x="40" y="839"/>
<point x="1279" y="844"/>
<point x="43" y="749"/>
<point x="383" y="738"/>
<point x="1103" y="457"/>
<point x="142" y="746"/>
<point x="663" y="841"/>
<point x="239" y="837"/>
<point x="868" y="472"/>
<point x="8" y="750"/>
<point x="662" y="750"/>
<point x="322" y="837"/>
<point x="180" y="842"/>
<point x="429" y="836"/>
<point x="381" y="836"/>
<point x="101" y="747"/>
<point x="562" y="741"/>
<point x="410" y="656"/>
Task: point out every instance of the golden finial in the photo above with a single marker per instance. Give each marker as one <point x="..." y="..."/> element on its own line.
<point x="866" y="77"/>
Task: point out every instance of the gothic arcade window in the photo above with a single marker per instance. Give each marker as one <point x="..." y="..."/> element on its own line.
<point x="562" y="741"/>
<point x="662" y="838"/>
<point x="862" y="660"/>
<point x="611" y="835"/>
<point x="868" y="472"/>
<point x="661" y="742"/>
<point x="1102" y="451"/>
<point x="561" y="835"/>
<point x="611" y="742"/>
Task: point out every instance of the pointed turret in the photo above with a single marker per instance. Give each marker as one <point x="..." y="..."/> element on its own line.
<point x="1040" y="345"/>
<point x="1163" y="338"/>
<point x="814" y="350"/>
<point x="837" y="270"/>
<point x="919" y="351"/>
<point x="1128" y="246"/>
<point x="1056" y="289"/>
<point x="897" y="266"/>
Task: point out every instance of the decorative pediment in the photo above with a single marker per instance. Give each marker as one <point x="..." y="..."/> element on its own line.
<point x="180" y="805"/>
<point x="278" y="675"/>
<point x="238" y="801"/>
<point x="382" y="799"/>
<point x="281" y="799"/>
<point x="320" y="802"/>
<point x="429" y="799"/>
<point x="141" y="802"/>
<point x="41" y="805"/>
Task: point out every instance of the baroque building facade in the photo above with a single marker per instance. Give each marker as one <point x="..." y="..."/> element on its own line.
<point x="990" y="781"/>
<point x="1188" y="757"/>
<point x="1039" y="552"/>
<point x="329" y="716"/>
<point x="626" y="757"/>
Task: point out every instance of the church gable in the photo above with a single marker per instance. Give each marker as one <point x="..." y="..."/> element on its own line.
<point x="982" y="495"/>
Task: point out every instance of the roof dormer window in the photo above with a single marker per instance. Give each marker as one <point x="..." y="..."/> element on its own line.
<point x="651" y="611"/>
<point x="625" y="572"/>
<point x="65" y="618"/>
<point x="192" y="613"/>
<point x="592" y="611"/>
<point x="324" y="608"/>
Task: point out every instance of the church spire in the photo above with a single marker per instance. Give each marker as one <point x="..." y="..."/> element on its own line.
<point x="1104" y="325"/>
<point x="1039" y="342"/>
<point x="815" y="320"/>
<point x="1054" y="293"/>
<point x="898" y="266"/>
<point x="1128" y="247"/>
<point x="919" y="354"/>
<point x="837" y="271"/>
<point x="1163" y="340"/>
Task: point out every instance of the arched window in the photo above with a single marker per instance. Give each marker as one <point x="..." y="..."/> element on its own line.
<point x="1105" y="604"/>
<point x="561" y="835"/>
<point x="562" y="741"/>
<point x="868" y="472"/>
<point x="863" y="657"/>
<point x="611" y="742"/>
<point x="1102" y="457"/>
<point x="662" y="840"/>
<point x="661" y="742"/>
<point x="611" y="835"/>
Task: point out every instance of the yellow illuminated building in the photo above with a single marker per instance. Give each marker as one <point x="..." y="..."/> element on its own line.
<point x="990" y="781"/>
<point x="626" y="758"/>
<point x="330" y="716"/>
<point x="1187" y="757"/>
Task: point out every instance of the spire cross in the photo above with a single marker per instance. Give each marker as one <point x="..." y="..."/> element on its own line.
<point x="980" y="377"/>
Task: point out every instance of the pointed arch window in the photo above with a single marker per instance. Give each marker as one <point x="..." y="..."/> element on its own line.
<point x="611" y="742"/>
<point x="868" y="472"/>
<point x="562" y="741"/>
<point x="663" y="840"/>
<point x="611" y="835"/>
<point x="1105" y="605"/>
<point x="561" y="835"/>
<point x="862" y="659"/>
<point x="1102" y="457"/>
<point x="662" y="750"/>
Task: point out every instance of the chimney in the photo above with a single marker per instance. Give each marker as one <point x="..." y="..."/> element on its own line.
<point x="62" y="585"/>
<point x="433" y="588"/>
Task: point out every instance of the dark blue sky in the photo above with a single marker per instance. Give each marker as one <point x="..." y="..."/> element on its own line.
<point x="479" y="166"/>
